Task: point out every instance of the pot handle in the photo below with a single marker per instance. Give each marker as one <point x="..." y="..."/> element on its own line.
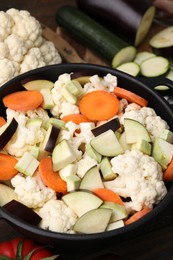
<point x="157" y="81"/>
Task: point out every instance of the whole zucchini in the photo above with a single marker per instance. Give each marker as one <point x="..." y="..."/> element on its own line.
<point x="89" y="32"/>
<point x="130" y="18"/>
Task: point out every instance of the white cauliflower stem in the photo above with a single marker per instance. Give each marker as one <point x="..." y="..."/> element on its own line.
<point x="56" y="216"/>
<point x="139" y="178"/>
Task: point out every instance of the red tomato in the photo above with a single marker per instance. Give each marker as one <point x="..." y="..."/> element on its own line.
<point x="9" y="249"/>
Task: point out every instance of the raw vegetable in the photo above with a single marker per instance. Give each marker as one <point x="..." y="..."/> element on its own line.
<point x="168" y="173"/>
<point x="113" y="124"/>
<point x="154" y="66"/>
<point x="23" y="46"/>
<point x="88" y="167"/>
<point x="7" y="169"/>
<point x="130" y="68"/>
<point x="19" y="248"/>
<point x="131" y="19"/>
<point x="162" y="42"/>
<point x="75" y="118"/>
<point x="130" y="96"/>
<point x="51" y="178"/>
<point x="23" y="100"/>
<point x="88" y="31"/>
<point x="2" y="121"/>
<point x="23" y="212"/>
<point x="108" y="195"/>
<point x="143" y="55"/>
<point x="99" y="105"/>
<point x="136" y="216"/>
<point x="7" y="131"/>
<point x="93" y="221"/>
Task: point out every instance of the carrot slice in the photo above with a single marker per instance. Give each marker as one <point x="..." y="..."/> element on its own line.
<point x="2" y="121"/>
<point x="99" y="105"/>
<point x="7" y="170"/>
<point x="108" y="195"/>
<point x="50" y="178"/>
<point x="137" y="216"/>
<point x="23" y="100"/>
<point x="130" y="96"/>
<point x="75" y="118"/>
<point x="168" y="173"/>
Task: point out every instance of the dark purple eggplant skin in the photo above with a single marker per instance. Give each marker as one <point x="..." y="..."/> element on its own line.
<point x="121" y="16"/>
<point x="8" y="133"/>
<point x="113" y="124"/>
<point x="23" y="212"/>
<point x="52" y="139"/>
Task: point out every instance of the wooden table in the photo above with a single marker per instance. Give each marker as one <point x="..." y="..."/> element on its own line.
<point x="158" y="242"/>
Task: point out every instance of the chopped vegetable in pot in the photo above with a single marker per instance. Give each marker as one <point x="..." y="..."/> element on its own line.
<point x="97" y="154"/>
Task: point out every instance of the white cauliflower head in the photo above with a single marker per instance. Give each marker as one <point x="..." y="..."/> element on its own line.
<point x="22" y="45"/>
<point x="139" y="178"/>
<point x="31" y="191"/>
<point x="57" y="216"/>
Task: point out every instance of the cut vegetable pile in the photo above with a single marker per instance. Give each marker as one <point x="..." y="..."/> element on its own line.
<point x="83" y="155"/>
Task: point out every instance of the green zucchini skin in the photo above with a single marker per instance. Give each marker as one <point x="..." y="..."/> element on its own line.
<point x="89" y="32"/>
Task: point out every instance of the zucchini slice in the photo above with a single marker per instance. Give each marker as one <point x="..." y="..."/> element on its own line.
<point x="86" y="30"/>
<point x="155" y="66"/>
<point x="162" y="42"/>
<point x="131" y="68"/>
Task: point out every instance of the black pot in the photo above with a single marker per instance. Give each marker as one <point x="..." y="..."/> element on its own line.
<point x="78" y="245"/>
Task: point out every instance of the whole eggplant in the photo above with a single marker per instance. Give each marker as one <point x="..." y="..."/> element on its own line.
<point x="131" y="19"/>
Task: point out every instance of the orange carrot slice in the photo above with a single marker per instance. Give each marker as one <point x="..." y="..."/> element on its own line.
<point x="2" y="121"/>
<point x="108" y="195"/>
<point x="168" y="173"/>
<point x="75" y="118"/>
<point x="23" y="100"/>
<point x="99" y="105"/>
<point x="7" y="164"/>
<point x="50" y="178"/>
<point x="137" y="216"/>
<point x="130" y="96"/>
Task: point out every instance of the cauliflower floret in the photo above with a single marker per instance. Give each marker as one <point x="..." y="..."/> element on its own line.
<point x="57" y="216"/>
<point x="17" y="48"/>
<point x="110" y="82"/>
<point x="31" y="191"/>
<point x="26" y="27"/>
<point x="96" y="83"/>
<point x="25" y="137"/>
<point x="32" y="60"/>
<point x="49" y="52"/>
<point x="85" y="164"/>
<point x="68" y="108"/>
<point x="6" y="25"/>
<point x="139" y="178"/>
<point x="9" y="69"/>
<point x="146" y="116"/>
<point x="4" y="50"/>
